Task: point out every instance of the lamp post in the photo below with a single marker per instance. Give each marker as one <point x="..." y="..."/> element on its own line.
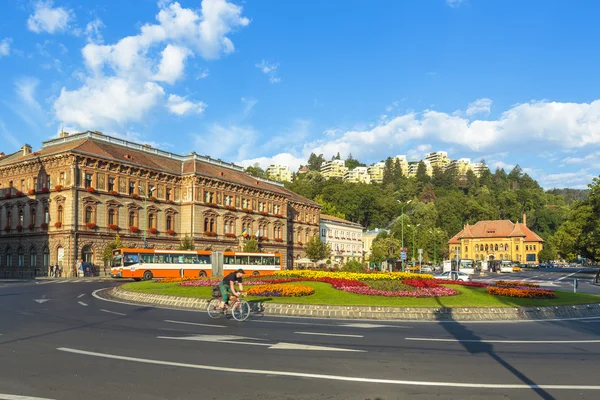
<point x="402" y="208"/>
<point x="413" y="249"/>
<point x="433" y="232"/>
<point x="145" y="212"/>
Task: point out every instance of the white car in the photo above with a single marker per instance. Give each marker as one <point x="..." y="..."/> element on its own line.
<point x="454" y="276"/>
<point x="506" y="268"/>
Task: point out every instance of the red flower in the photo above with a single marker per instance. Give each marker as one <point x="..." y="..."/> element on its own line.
<point x="90" y="225"/>
<point x="90" y="189"/>
<point x="210" y="234"/>
<point x="31" y="226"/>
<point x="58" y="224"/>
<point x="46" y="190"/>
<point x="44" y="225"/>
<point x="113" y="227"/>
<point x="19" y="193"/>
<point x="114" y="192"/>
<point x="58" y="188"/>
<point x="19" y="228"/>
<point x="134" y="229"/>
<point x="171" y="232"/>
<point x="153" y="230"/>
<point x="230" y="235"/>
<point x="31" y="192"/>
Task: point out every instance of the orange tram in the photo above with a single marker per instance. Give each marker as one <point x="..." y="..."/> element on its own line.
<point x="146" y="264"/>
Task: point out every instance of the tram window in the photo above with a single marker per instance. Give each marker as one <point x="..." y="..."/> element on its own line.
<point x="160" y="259"/>
<point x="242" y="260"/>
<point x="131" y="258"/>
<point x="204" y="259"/>
<point x="229" y="260"/>
<point x="267" y="260"/>
<point x="148" y="258"/>
<point x="190" y="259"/>
<point x="255" y="260"/>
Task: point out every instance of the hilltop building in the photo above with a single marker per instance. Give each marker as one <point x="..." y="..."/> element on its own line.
<point x="280" y="173"/>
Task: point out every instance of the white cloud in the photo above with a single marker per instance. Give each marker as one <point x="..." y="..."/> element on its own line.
<point x="481" y="106"/>
<point x="203" y="74"/>
<point x="418" y="153"/>
<point x="576" y="180"/>
<point x="582" y="160"/>
<point x="455" y="3"/>
<point x="5" y="46"/>
<point x="231" y="141"/>
<point x="269" y="69"/>
<point x="248" y="106"/>
<point x="134" y="66"/>
<point x="48" y="19"/>
<point x="180" y="106"/>
<point x="172" y="65"/>
<point x="106" y="102"/>
<point x="92" y="31"/>
<point x="288" y="159"/>
<point x="543" y="124"/>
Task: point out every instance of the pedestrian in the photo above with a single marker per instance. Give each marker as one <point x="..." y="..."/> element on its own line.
<point x="60" y="271"/>
<point x="597" y="278"/>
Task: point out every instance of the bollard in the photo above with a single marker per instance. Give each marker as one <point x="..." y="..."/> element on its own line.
<point x="575" y="283"/>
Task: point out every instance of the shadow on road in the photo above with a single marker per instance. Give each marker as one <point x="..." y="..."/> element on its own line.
<point x="472" y="343"/>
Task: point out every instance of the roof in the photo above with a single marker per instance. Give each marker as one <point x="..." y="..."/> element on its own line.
<point x="331" y="218"/>
<point x="108" y="147"/>
<point x="496" y="229"/>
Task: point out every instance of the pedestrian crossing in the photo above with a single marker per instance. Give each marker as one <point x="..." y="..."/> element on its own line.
<point x="63" y="281"/>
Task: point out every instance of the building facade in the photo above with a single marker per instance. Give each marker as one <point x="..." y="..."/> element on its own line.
<point x="413" y="168"/>
<point x="66" y="201"/>
<point x="461" y="166"/>
<point x="501" y="240"/>
<point x="344" y="237"/>
<point x="367" y="238"/>
<point x="479" y="168"/>
<point x="358" y="175"/>
<point x="334" y="169"/>
<point x="438" y="159"/>
<point x="280" y="173"/>
<point x="403" y="162"/>
<point x="376" y="172"/>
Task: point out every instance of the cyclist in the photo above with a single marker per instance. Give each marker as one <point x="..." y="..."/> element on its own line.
<point x="226" y="286"/>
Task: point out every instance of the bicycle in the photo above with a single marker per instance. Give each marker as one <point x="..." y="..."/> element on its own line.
<point x="239" y="309"/>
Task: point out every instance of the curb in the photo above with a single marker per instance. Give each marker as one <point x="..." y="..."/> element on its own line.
<point x="376" y="313"/>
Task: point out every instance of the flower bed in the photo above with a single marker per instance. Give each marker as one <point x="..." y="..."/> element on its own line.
<point x="361" y="276"/>
<point x="460" y="283"/>
<point x="418" y="292"/>
<point x="522" y="292"/>
<point x="278" y="290"/>
<point x="515" y="284"/>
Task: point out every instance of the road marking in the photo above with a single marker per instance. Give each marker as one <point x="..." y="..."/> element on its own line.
<point x="81" y="295"/>
<point x="111" y="312"/>
<point x="44" y="283"/>
<point x="565" y="277"/>
<point x="41" y="301"/>
<point x="371" y="326"/>
<point x="327" y="334"/>
<point x="229" y="339"/>
<point x="16" y="397"/>
<point x="505" y="341"/>
<point x="194" y="323"/>
<point x="327" y="377"/>
<point x="82" y="303"/>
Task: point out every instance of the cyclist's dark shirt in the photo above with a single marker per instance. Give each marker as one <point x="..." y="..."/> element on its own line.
<point x="231" y="278"/>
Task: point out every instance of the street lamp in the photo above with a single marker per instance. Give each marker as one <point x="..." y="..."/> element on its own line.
<point x="402" y="208"/>
<point x="413" y="246"/>
<point x="433" y="232"/>
<point x="145" y="212"/>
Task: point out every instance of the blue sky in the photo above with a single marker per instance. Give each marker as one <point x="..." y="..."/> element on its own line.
<point x="267" y="81"/>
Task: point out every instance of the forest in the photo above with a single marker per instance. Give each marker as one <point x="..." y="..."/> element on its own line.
<point x="437" y="207"/>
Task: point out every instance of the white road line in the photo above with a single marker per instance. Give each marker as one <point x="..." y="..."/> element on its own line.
<point x="505" y="341"/>
<point x="82" y="303"/>
<point x="327" y="334"/>
<point x="111" y="312"/>
<point x="44" y="283"/>
<point x="16" y="397"/>
<point x="81" y="295"/>
<point x="565" y="277"/>
<point x="194" y="323"/>
<point x="328" y="377"/>
<point x="63" y="281"/>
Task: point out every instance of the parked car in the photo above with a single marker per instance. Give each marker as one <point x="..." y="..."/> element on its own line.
<point x="506" y="268"/>
<point x="426" y="268"/>
<point x="454" y="276"/>
<point x="516" y="268"/>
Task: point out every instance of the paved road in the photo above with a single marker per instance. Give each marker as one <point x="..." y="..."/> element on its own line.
<point x="58" y="341"/>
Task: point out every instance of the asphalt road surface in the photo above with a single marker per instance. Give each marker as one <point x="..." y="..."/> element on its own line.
<point x="58" y="341"/>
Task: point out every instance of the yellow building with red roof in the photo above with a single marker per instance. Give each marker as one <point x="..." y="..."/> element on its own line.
<point x="499" y="240"/>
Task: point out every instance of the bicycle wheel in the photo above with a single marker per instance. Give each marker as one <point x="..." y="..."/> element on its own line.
<point x="213" y="308"/>
<point x="240" y="310"/>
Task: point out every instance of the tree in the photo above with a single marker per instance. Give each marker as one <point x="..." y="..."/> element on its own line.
<point x="548" y="253"/>
<point x="251" y="246"/>
<point x="329" y="208"/>
<point x="316" y="250"/>
<point x="383" y="249"/>
<point x="186" y="243"/>
<point x="388" y="171"/>
<point x="352" y="163"/>
<point x="108" y="249"/>
<point x="315" y="162"/>
<point x="428" y="194"/>
<point x="256" y="170"/>
<point x="422" y="177"/>
<point x="354" y="266"/>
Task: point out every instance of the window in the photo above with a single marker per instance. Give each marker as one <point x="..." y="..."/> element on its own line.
<point x="245" y="203"/>
<point x="496" y="247"/>
<point x="151" y="220"/>
<point x="22" y="185"/>
<point x="132" y="218"/>
<point x="261" y="206"/>
<point x="32" y="257"/>
<point x="9" y="219"/>
<point x="111" y="184"/>
<point x="306" y="237"/>
<point x="8" y="258"/>
<point x="131" y="187"/>
<point x="228" y="200"/>
<point x="168" y="195"/>
<point x="209" y="197"/>
<point x="112" y="217"/>
<point x="88" y="179"/>
<point x="62" y="179"/>
<point x="212" y="224"/>
<point x="21" y="218"/>
<point x="59" y="214"/>
<point x="534" y="247"/>
<point x="466" y="249"/>
<point x="46" y="257"/>
<point x="517" y="247"/>
<point x="169" y="222"/>
<point x="20" y="257"/>
<point x="151" y="189"/>
<point x="32" y="216"/>
<point x="323" y="232"/>
<point x="89" y="214"/>
<point x="476" y="247"/>
<point x="46" y="215"/>
<point x="35" y="183"/>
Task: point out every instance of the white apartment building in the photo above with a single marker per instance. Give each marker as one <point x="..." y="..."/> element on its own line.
<point x="403" y="163"/>
<point x="279" y="173"/>
<point x="413" y="167"/>
<point x="438" y="159"/>
<point x="462" y="165"/>
<point x="376" y="172"/>
<point x="334" y="169"/>
<point x="358" y="175"/>
<point x="344" y="237"/>
<point x="478" y="168"/>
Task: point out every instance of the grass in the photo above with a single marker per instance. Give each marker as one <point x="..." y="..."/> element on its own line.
<point x="326" y="295"/>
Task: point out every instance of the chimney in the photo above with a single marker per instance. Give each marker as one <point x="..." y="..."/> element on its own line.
<point x="524" y="219"/>
<point x="64" y="134"/>
<point x="26" y="149"/>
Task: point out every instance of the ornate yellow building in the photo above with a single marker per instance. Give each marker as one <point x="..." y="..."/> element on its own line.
<point x="489" y="241"/>
<point x="67" y="200"/>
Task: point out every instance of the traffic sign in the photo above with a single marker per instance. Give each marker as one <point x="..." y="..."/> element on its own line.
<point x="403" y="255"/>
<point x="420" y="251"/>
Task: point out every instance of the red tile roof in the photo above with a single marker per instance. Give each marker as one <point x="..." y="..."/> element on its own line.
<point x="339" y="220"/>
<point x="496" y="229"/>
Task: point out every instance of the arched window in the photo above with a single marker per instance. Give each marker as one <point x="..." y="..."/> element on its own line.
<point x="8" y="258"/>
<point x="112" y="217"/>
<point x="212" y="225"/>
<point x="21" y="218"/>
<point x="486" y="247"/>
<point x="60" y="214"/>
<point x="20" y="257"/>
<point x="46" y="215"/>
<point x="476" y="247"/>
<point x="46" y="259"/>
<point x="132" y="218"/>
<point x="496" y="247"/>
<point x="306" y="237"/>
<point x="87" y="254"/>
<point x="32" y="257"/>
<point x="89" y="214"/>
<point x="151" y="220"/>
<point x="32" y="216"/>
<point x="206" y="224"/>
<point x="9" y="219"/>
<point x="170" y="222"/>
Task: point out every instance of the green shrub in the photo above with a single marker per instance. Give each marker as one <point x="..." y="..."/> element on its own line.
<point x="354" y="266"/>
<point x="390" y="286"/>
